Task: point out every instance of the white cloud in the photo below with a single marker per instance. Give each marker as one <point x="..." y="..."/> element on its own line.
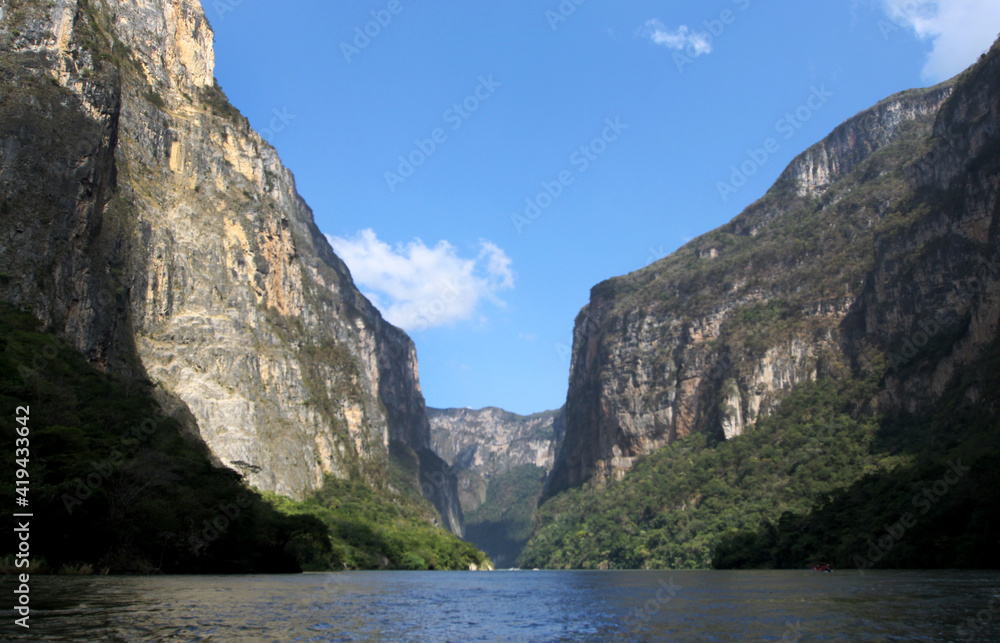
<point x="959" y="30"/>
<point x="694" y="43"/>
<point x="418" y="287"/>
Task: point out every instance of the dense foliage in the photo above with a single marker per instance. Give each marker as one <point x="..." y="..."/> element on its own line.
<point x="503" y="523"/>
<point x="374" y="528"/>
<point x="820" y="480"/>
<point x="673" y="508"/>
<point x="935" y="512"/>
<point x="114" y="484"/>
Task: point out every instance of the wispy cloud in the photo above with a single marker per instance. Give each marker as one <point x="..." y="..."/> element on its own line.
<point x="418" y="287"/>
<point x="959" y="30"/>
<point x="694" y="43"/>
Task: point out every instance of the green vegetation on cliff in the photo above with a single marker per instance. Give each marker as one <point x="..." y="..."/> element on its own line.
<point x="674" y="506"/>
<point x="377" y="529"/>
<point x="819" y="480"/>
<point x="874" y="257"/>
<point x="502" y="524"/>
<point x="116" y="486"/>
<point x="934" y="512"/>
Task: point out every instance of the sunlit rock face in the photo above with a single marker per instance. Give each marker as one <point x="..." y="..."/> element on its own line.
<point x="877" y="242"/>
<point x="483" y="444"/>
<point x="145" y="221"/>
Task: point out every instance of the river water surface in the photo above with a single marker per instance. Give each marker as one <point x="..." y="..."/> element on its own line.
<point x="515" y="606"/>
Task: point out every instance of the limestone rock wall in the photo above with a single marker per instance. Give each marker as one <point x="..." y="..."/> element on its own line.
<point x="884" y="230"/>
<point x="145" y="220"/>
<point x="482" y="444"/>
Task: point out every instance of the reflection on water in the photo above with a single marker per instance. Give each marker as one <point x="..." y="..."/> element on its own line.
<point x="515" y="606"/>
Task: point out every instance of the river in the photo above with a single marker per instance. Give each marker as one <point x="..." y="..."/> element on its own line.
<point x="515" y="606"/>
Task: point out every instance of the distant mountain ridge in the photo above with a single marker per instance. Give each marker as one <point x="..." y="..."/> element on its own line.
<point x="491" y="441"/>
<point x="501" y="460"/>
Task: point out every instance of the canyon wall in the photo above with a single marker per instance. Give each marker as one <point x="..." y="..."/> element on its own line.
<point x="875" y="255"/>
<point x="481" y="445"/>
<point x="145" y="221"/>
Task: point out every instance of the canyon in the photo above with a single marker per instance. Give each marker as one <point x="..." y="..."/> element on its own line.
<point x="148" y="224"/>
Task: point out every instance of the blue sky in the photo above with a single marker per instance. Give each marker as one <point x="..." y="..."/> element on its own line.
<point x="481" y="165"/>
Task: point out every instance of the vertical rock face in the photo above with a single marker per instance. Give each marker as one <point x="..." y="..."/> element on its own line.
<point x="145" y="221"/>
<point x="931" y="303"/>
<point x="873" y="241"/>
<point x="481" y="445"/>
<point x="501" y="460"/>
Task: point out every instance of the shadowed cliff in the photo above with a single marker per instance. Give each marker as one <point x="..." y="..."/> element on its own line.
<point x="142" y="219"/>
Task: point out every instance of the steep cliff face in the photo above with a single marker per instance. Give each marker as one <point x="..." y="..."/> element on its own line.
<point x="501" y="460"/>
<point x="842" y="268"/>
<point x="481" y="445"/>
<point x="144" y="220"/>
<point x="930" y="306"/>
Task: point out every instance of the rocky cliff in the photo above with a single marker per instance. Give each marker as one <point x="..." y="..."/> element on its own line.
<point x="501" y="460"/>
<point x="874" y="255"/>
<point x="145" y="221"/>
<point x="481" y="445"/>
